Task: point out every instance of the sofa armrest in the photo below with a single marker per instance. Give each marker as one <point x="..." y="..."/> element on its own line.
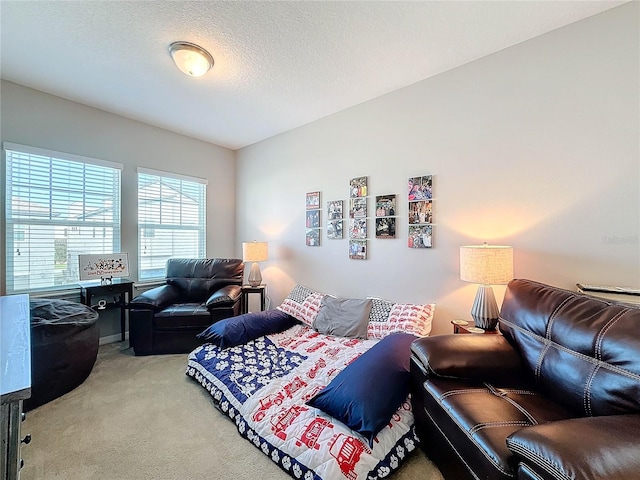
<point x="156" y="299"/>
<point x="224" y="297"/>
<point x="487" y="358"/>
<point x="597" y="448"/>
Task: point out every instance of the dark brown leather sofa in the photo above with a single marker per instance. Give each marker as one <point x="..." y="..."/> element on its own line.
<point x="198" y="292"/>
<point x="557" y="396"/>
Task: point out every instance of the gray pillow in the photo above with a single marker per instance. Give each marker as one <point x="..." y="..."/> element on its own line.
<point x="343" y="317"/>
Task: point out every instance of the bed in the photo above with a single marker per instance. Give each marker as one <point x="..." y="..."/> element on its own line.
<point x="320" y="385"/>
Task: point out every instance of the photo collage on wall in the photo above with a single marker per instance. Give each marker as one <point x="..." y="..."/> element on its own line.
<point x="420" y="196"/>
<point x="385" y="216"/>
<point x="352" y="215"/>
<point x="334" y="219"/>
<point x="313" y="219"/>
<point x="358" y="218"/>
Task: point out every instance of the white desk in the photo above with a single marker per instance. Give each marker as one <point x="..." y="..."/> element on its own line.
<point x="15" y="378"/>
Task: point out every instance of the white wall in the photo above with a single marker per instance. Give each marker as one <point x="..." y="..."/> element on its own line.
<point x="33" y="118"/>
<point x="535" y="146"/>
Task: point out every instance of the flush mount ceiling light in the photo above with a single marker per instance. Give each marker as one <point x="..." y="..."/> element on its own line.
<point x="190" y="58"/>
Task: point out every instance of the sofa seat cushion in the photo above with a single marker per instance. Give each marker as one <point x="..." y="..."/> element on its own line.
<point x="477" y="417"/>
<point x="183" y="316"/>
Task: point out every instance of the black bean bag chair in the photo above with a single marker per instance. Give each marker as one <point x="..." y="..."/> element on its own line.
<point x="64" y="347"/>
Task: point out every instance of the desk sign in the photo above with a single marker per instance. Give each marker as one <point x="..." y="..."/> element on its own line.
<point x="104" y="265"/>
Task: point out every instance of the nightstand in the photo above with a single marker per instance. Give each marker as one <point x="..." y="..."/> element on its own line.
<point x="120" y="290"/>
<point x="462" y="326"/>
<point x="248" y="289"/>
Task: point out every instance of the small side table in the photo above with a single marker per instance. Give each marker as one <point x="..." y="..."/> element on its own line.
<point x="123" y="289"/>
<point x="462" y="326"/>
<point x="246" y="290"/>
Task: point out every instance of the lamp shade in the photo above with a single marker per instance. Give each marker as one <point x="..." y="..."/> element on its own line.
<point x="255" y="252"/>
<point x="486" y="264"/>
<point x="190" y="58"/>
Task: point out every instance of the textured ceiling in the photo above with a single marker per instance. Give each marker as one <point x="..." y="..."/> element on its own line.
<point x="278" y="65"/>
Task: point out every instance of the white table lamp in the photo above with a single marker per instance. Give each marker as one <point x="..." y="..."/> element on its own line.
<point x="486" y="265"/>
<point x="255" y="252"/>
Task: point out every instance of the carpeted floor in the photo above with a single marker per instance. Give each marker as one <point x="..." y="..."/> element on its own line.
<point x="142" y="418"/>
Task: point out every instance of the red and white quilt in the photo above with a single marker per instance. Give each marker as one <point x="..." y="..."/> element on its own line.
<point x="263" y="386"/>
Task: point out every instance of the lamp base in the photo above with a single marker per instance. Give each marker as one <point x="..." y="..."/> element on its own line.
<point x="255" y="277"/>
<point x="485" y="309"/>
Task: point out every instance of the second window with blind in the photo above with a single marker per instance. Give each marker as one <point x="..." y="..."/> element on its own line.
<point x="171" y="220"/>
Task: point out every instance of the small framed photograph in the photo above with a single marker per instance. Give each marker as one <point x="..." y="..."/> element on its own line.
<point x="357" y="207"/>
<point x="420" y="188"/>
<point x="334" y="209"/>
<point x="358" y="187"/>
<point x="358" y="249"/>
<point x="313" y="200"/>
<point x="385" y="205"/>
<point x="386" y="227"/>
<point x="421" y="212"/>
<point x="420" y="236"/>
<point x="313" y="218"/>
<point x="313" y="237"/>
<point x="358" y="228"/>
<point x="334" y="229"/>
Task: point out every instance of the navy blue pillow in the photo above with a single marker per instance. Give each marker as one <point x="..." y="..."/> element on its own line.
<point x="244" y="328"/>
<point x="365" y="395"/>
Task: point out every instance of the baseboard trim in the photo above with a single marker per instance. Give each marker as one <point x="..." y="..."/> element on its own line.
<point x="113" y="338"/>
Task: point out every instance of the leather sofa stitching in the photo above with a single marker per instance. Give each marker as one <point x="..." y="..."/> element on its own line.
<point x="501" y="393"/>
<point x="512" y="423"/>
<point x="470" y="437"/>
<point x="453" y="447"/>
<point x="552" y="317"/>
<point x="478" y="446"/>
<point x="462" y="391"/>
<point x="519" y="392"/>
<point x="603" y="332"/>
<point x="582" y="356"/>
<point x="543" y="352"/>
<point x="522" y="410"/>
<point x="587" y="391"/>
<point x="534" y="457"/>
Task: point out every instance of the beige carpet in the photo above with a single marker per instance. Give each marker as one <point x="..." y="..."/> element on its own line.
<point x="142" y="418"/>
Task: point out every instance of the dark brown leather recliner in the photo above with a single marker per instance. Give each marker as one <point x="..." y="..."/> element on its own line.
<point x="198" y="292"/>
<point x="557" y="396"/>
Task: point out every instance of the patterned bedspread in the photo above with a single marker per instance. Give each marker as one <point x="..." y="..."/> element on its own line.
<point x="263" y="386"/>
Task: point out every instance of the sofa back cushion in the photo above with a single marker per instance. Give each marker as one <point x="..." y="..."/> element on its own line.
<point x="582" y="351"/>
<point x="199" y="278"/>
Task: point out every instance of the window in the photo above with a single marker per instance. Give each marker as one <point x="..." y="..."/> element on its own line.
<point x="171" y="220"/>
<point x="58" y="206"/>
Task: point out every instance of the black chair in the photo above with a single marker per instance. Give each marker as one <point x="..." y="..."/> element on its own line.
<point x="198" y="292"/>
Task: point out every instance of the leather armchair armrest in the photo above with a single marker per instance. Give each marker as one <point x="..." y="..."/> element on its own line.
<point x="487" y="358"/>
<point x="597" y="448"/>
<point x="224" y="297"/>
<point x="157" y="298"/>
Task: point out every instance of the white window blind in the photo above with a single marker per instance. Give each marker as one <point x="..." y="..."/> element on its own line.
<point x="58" y="206"/>
<point x="171" y="220"/>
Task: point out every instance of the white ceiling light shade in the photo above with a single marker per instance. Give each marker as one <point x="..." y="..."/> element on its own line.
<point x="190" y="58"/>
